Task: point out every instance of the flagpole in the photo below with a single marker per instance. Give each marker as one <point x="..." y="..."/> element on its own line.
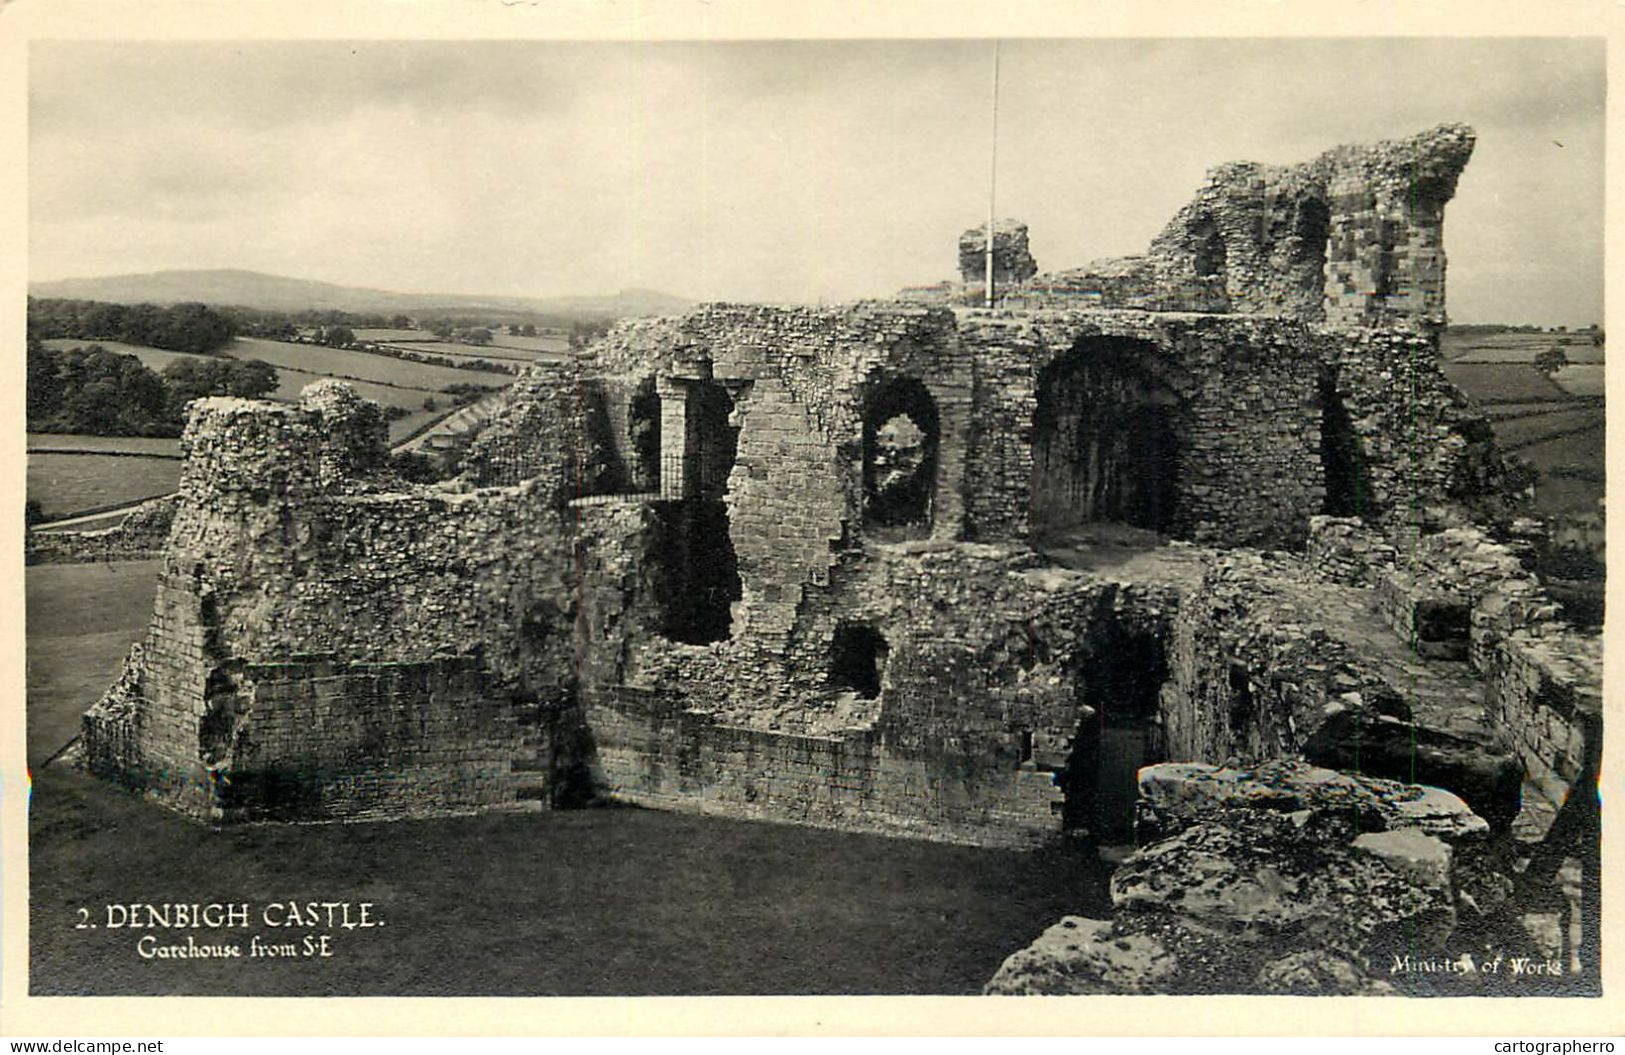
<point x="993" y="175"/>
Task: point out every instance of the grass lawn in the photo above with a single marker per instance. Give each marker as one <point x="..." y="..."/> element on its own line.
<point x="79" y="441"/>
<point x="587" y="902"/>
<point x="66" y="484"/>
<point x="81" y="621"/>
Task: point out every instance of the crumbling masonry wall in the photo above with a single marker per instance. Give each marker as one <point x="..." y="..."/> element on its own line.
<point x="329" y="641"/>
<point x="293" y="570"/>
<point x="1351" y="238"/>
<point x="316" y="631"/>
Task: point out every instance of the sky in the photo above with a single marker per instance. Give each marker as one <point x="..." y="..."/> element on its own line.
<point x="790" y="171"/>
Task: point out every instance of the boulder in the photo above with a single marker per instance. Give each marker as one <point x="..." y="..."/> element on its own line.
<point x="1080" y="956"/>
<point x="1174" y="795"/>
<point x="1280" y="878"/>
<point x="1374" y="745"/>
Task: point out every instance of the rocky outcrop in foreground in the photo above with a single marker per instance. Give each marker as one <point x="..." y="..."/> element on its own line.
<point x="1293" y="879"/>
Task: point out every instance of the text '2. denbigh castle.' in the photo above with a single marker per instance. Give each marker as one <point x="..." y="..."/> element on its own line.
<point x="918" y="566"/>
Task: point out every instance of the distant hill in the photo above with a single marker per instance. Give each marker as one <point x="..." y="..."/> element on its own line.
<point x="253" y="289"/>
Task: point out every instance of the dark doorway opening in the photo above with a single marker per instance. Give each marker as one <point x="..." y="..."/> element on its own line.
<point x="694" y="570"/>
<point x="1100" y="781"/>
<point x="1106" y="440"/>
<point x="1311" y="229"/>
<point x="711" y="441"/>
<point x="857" y="659"/>
<point x="900" y="435"/>
<point x="1341" y="459"/>
<point x="1207" y="245"/>
<point x="643" y="427"/>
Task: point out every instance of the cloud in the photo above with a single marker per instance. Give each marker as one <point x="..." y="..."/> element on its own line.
<point x="770" y="170"/>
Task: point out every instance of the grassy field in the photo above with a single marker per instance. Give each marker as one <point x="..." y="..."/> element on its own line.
<point x="386" y="334"/>
<point x="1520" y="431"/>
<point x="559" y="345"/>
<point x="500" y="339"/>
<point x="1582" y="380"/>
<point x="341" y="362"/>
<point x="465" y="351"/>
<point x="1517" y="347"/>
<point x="81" y="620"/>
<point x="292" y="382"/>
<point x="152" y="358"/>
<point x="65" y="484"/>
<point x="80" y="442"/>
<point x="1541" y="420"/>
<point x="592" y="902"/>
<point x="1491" y="383"/>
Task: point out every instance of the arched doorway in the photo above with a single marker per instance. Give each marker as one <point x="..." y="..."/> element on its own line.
<point x="900" y="436"/>
<point x="1106" y="440"/>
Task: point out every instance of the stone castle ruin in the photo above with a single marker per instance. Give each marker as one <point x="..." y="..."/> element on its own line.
<point x="899" y="566"/>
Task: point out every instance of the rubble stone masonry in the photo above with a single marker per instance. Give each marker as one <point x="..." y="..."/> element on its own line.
<point x="680" y="569"/>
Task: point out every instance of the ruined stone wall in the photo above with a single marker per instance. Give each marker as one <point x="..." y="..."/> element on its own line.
<point x="654" y="752"/>
<point x="1012" y="260"/>
<point x="1250" y="675"/>
<point x="1459" y="594"/>
<point x="431" y="737"/>
<point x="799" y="379"/>
<point x="139" y="536"/>
<point x="980" y="698"/>
<point x="1352" y="238"/>
<point x="1419" y="443"/>
<point x="284" y="549"/>
<point x="1544" y="689"/>
<point x="1249" y="417"/>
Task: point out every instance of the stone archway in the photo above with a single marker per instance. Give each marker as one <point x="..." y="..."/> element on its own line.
<point x="901" y="433"/>
<point x="1107" y="438"/>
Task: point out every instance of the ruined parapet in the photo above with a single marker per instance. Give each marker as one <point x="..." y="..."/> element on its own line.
<point x="355" y="438"/>
<point x="1353" y="238"/>
<point x="265" y="450"/>
<point x="1385" y="254"/>
<point x="1012" y="261"/>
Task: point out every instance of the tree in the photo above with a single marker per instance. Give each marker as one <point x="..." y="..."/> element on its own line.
<point x="479" y="335"/>
<point x="338" y="336"/>
<point x="400" y="322"/>
<point x="528" y="330"/>
<point x="1551" y="360"/>
<point x="45" y="388"/>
